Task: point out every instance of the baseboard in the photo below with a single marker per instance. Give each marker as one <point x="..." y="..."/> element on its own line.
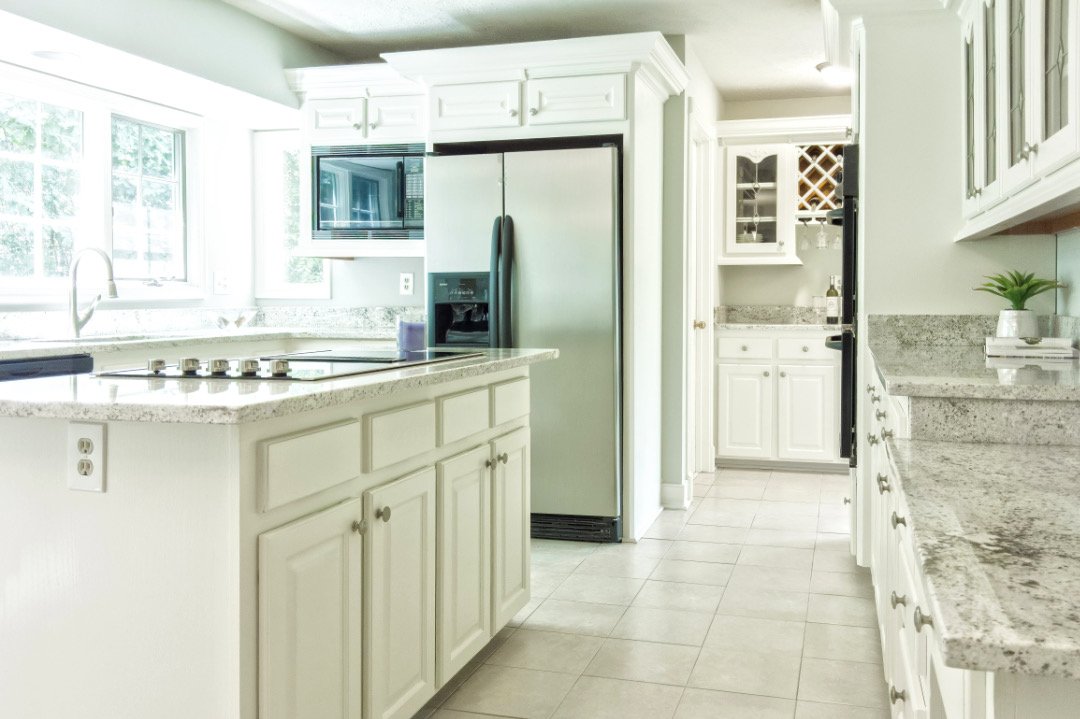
<point x="840" y="467"/>
<point x="676" y="496"/>
<point x="577" y="528"/>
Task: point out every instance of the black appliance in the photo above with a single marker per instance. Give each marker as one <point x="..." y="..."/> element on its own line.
<point x="461" y="308"/>
<point x="45" y="366"/>
<point x="367" y="192"/>
<point x="845" y="342"/>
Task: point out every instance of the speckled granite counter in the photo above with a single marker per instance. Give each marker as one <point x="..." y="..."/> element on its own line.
<point x="759" y="326"/>
<point x="997" y="536"/>
<point x="86" y="397"/>
<point x="963" y="371"/>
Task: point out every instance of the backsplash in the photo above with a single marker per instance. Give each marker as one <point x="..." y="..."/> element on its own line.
<point x="767" y="315"/>
<point x="942" y="330"/>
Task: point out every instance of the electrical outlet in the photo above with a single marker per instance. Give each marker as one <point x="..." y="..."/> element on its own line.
<point x="221" y="283"/>
<point x="405" y="286"/>
<point x="86" y="456"/>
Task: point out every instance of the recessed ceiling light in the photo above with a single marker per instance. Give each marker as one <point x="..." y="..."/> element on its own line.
<point x="834" y="75"/>
<point x="56" y="55"/>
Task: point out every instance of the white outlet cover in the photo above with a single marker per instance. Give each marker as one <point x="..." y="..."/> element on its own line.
<point x="94" y="480"/>
<point x="406" y="283"/>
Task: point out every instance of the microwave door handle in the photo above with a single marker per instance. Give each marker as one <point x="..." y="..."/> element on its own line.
<point x="506" y="260"/>
<point x="401" y="191"/>
<point x="493" y="283"/>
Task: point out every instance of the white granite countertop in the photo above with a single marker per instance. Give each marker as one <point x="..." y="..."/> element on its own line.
<point x="963" y="371"/>
<point x="759" y="326"/>
<point x="86" y="397"/>
<point x="997" y="535"/>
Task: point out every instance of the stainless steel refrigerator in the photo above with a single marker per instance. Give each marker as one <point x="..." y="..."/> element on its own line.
<point x="528" y="242"/>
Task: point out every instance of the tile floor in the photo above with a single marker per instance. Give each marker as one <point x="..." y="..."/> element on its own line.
<point x="746" y="606"/>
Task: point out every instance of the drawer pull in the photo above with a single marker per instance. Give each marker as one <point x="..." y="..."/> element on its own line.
<point x="383" y="513"/>
<point x="872" y="439"/>
<point x="883" y="484"/>
<point x="897" y="695"/>
<point x="881" y="414"/>
<point x="897" y="599"/>
<point x="898" y="520"/>
<point x="921" y="620"/>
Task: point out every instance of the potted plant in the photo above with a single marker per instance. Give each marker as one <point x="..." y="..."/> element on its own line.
<point x="1017" y="288"/>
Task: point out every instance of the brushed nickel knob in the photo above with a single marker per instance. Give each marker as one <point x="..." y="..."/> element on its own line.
<point x="847" y="500"/>
<point x="372" y="125"/>
<point x="805" y="348"/>
<point x="897" y="696"/>
<point x="383" y="513"/>
<point x="783" y="374"/>
<point x="504" y="458"/>
<point x="883" y="484"/>
<point x="765" y="373"/>
<point x="533" y="111"/>
<point x="357" y="126"/>
<point x="744" y="348"/>
<point x="921" y="620"/>
<point x="869" y="389"/>
<point x="156" y="366"/>
<point x="898" y="520"/>
<point x="886" y="433"/>
<point x="513" y="112"/>
<point x="190" y="366"/>
<point x="359" y="526"/>
<point x="872" y="439"/>
<point x="249" y="367"/>
<point x="279" y="368"/>
<point x="220" y="367"/>
<point x="880" y="414"/>
<point x="897" y="599"/>
<point x="875" y="398"/>
<point x="489" y="463"/>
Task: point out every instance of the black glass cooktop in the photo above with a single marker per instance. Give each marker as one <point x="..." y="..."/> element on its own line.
<point x="380" y="356"/>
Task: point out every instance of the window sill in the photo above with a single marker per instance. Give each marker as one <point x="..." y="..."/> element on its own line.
<point x="132" y="295"/>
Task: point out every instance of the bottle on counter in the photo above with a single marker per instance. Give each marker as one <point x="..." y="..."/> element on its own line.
<point x="832" y="301"/>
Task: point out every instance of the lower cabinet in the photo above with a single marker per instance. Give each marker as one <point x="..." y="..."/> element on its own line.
<point x="745" y="422"/>
<point x="806" y="420"/>
<point x="511" y="524"/>
<point x="310" y="574"/>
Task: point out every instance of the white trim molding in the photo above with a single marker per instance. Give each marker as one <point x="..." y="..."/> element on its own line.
<point x="819" y="128"/>
<point x="677" y="496"/>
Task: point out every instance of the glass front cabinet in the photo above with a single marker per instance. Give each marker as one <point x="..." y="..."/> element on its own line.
<point x="1021" y="113"/>
<point x="759" y="208"/>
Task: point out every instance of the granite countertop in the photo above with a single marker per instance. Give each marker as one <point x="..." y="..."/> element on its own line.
<point x="87" y="397"/>
<point x="758" y="326"/>
<point x="963" y="371"/>
<point x="997" y="534"/>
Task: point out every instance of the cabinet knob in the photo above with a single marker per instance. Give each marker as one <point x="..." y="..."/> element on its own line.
<point x="359" y="526"/>
<point x="897" y="600"/>
<point x="383" y="513"/>
<point x="504" y="458"/>
<point x="357" y="126"/>
<point x="869" y="389"/>
<point x="886" y="433"/>
<point x="1028" y="150"/>
<point x="744" y="348"/>
<point x="489" y="463"/>
<point x="897" y="695"/>
<point x="883" y="484"/>
<point x="783" y="374"/>
<point x="875" y="398"/>
<point x="880" y="414"/>
<point x="897" y="520"/>
<point x="805" y="348"/>
<point x="699" y="325"/>
<point x="533" y="111"/>
<point x="847" y="500"/>
<point x="872" y="439"/>
<point x="513" y="112"/>
<point x="372" y="125"/>
<point x="766" y="373"/>
<point x="921" y="620"/>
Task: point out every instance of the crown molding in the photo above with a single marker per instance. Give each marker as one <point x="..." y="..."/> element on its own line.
<point x="376" y="79"/>
<point x="816" y="128"/>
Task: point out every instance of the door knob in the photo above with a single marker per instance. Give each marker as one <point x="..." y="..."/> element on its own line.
<point x="383" y="513"/>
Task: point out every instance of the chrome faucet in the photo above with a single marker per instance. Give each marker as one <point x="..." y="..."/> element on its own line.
<point x="78" y="321"/>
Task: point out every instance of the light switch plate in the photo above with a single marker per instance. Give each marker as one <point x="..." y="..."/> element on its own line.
<point x="86" y="456"/>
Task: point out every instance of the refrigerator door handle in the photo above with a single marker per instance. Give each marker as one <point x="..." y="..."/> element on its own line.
<point x="506" y="260"/>
<point x="493" y="283"/>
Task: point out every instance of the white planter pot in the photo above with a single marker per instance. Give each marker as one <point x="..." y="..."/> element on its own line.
<point x="1017" y="323"/>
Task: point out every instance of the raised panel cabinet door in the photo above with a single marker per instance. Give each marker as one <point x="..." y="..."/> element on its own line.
<point x="588" y="98"/>
<point x="463" y="589"/>
<point x="310" y="576"/>
<point x="399" y="590"/>
<point x="511" y="525"/>
<point x="475" y="105"/>
<point x="806" y="412"/>
<point x="745" y="410"/>
<point x="760" y="203"/>
<point x="338" y="120"/>
<point x="396" y="117"/>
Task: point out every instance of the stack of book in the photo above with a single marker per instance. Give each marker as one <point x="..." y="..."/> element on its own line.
<point x="1032" y="347"/>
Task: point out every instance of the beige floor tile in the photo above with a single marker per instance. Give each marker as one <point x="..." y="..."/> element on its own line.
<point x="704" y="552"/>
<point x="682" y="596"/>
<point x="829" y="680"/>
<point x="701" y="490"/>
<point x="774" y="675"/>
<point x="644" y="662"/>
<point x="781" y="538"/>
<point x="453" y="714"/>
<point x="790" y="523"/>
<point x="663" y="531"/>
<point x="834" y="561"/>
<point x="722" y="517"/>
<point x="836" y="641"/>
<point x="849" y="611"/>
<point x="545" y="581"/>
<point x="737" y="473"/>
<point x="602" y="698"/>
<point x="834" y="542"/>
<point x="641" y="548"/>
<point x="710" y="533"/>
<point x="677" y="570"/>
<point x="546" y="651"/>
<point x="834" y="523"/>
<point x="816" y="710"/>
<point x="752" y="634"/>
<point x="764" y="603"/>
<point x="849" y="584"/>
<point x="598" y="589"/>
<point x="618" y="565"/>
<point x="748" y="577"/>
<point x="810" y="492"/>
<point x="563" y="546"/>
<point x="518" y="619"/>
<point x="709" y="704"/>
<point x="663" y="625"/>
<point x="524" y="693"/>
<point x="557" y="615"/>
<point x="736" y="489"/>
<point x="784" y="557"/>
<point x="788" y="509"/>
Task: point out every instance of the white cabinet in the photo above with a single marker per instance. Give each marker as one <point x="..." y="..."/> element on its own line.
<point x="807" y="426"/>
<point x="511" y="524"/>
<point x="399" y="593"/>
<point x="759" y="205"/>
<point x="587" y="98"/>
<point x="396" y="117"/>
<point x="745" y="420"/>
<point x="310" y="616"/>
<point x="475" y="105"/>
<point x="337" y="121"/>
<point x="464" y="586"/>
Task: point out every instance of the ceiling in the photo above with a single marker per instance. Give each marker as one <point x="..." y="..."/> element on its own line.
<point x="752" y="49"/>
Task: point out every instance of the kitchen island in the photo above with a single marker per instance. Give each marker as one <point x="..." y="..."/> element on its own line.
<point x="260" y="549"/>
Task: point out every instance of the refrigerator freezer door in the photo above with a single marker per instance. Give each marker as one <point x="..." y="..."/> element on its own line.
<point x="565" y="295"/>
<point x="463" y="195"/>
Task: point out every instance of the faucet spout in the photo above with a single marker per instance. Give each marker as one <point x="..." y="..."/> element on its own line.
<point x="78" y="319"/>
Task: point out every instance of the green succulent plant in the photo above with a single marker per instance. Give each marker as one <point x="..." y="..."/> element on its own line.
<point x="1017" y="287"/>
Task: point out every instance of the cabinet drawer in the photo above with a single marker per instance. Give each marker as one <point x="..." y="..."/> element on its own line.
<point x="464" y="414"/>
<point x="486" y="104"/>
<point x="509" y="400"/>
<point x="744" y="347"/>
<point x="301" y="464"/>
<point x="809" y="348"/>
<point x="589" y="98"/>
<point x="394" y="436"/>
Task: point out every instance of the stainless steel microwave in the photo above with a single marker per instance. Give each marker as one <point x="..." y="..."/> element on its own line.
<point x="367" y="192"/>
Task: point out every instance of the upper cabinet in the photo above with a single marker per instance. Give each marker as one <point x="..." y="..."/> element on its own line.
<point x="1021" y="114"/>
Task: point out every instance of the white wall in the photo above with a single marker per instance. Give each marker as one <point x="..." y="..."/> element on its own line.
<point x="1068" y="272"/>
<point x="369" y="282"/>
<point x="795" y="107"/>
<point x="783" y="284"/>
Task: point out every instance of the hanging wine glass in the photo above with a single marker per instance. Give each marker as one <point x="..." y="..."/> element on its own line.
<point x="804" y="235"/>
<point x="822" y="240"/>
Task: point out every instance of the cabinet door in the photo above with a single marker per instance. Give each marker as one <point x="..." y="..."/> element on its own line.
<point x="510" y="519"/>
<point x="399" y="586"/>
<point x="334" y="121"/>
<point x="589" y="98"/>
<point x="309" y="617"/>
<point x="477" y="105"/>
<point x="1055" y="65"/>
<point x="396" y="118"/>
<point x="463" y="616"/>
<point x="1018" y="103"/>
<point x="807" y="412"/>
<point x="760" y="192"/>
<point x="745" y="416"/>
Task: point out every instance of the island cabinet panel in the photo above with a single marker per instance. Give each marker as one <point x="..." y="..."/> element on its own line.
<point x="510" y="524"/>
<point x="396" y="435"/>
<point x="463" y="590"/>
<point x="399" y="588"/>
<point x="510" y="400"/>
<point x="463" y="414"/>
<point x="301" y="464"/>
<point x="310" y="616"/>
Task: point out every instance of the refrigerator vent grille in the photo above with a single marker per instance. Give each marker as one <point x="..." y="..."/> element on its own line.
<point x="577" y="528"/>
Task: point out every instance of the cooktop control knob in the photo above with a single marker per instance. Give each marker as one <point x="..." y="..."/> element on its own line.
<point x="249" y="368"/>
<point x="190" y="366"/>
<point x="219" y="367"/>
<point x="156" y="366"/>
<point x="279" y="368"/>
